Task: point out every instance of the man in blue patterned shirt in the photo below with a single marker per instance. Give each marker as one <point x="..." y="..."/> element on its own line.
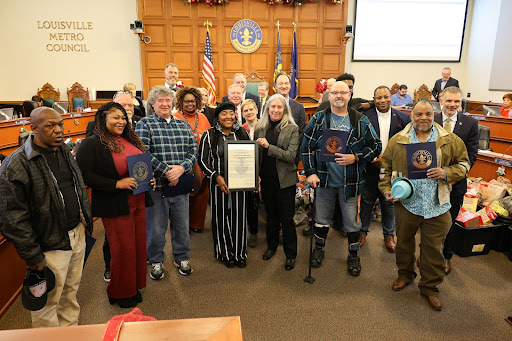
<point x="428" y="211"/>
<point x="342" y="179"/>
<point x="173" y="152"/>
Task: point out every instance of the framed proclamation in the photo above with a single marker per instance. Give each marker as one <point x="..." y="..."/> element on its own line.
<point x="241" y="165"/>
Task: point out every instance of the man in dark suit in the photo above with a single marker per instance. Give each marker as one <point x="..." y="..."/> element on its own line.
<point x="387" y="122"/>
<point x="125" y="99"/>
<point x="444" y="82"/>
<point x="283" y="86"/>
<point x="263" y="89"/>
<point x="465" y="127"/>
<point x="240" y="79"/>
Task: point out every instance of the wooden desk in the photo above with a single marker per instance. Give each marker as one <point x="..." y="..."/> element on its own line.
<point x="487" y="164"/>
<point x="310" y="104"/>
<point x="74" y="126"/>
<point x="12" y="272"/>
<point x="476" y="107"/>
<point x="214" y="329"/>
<point x="501" y="132"/>
<point x="98" y="103"/>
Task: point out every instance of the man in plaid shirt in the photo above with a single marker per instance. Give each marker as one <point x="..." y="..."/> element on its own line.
<point x="174" y="152"/>
<point x="343" y="178"/>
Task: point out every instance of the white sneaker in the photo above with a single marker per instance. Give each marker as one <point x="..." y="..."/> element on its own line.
<point x="157" y="271"/>
<point x="183" y="267"/>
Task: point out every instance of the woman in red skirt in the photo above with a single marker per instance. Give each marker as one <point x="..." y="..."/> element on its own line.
<point x="102" y="159"/>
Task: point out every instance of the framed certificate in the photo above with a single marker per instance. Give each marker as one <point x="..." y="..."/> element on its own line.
<point x="241" y="165"/>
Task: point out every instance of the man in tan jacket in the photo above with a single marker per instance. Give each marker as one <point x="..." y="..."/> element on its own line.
<point x="429" y="209"/>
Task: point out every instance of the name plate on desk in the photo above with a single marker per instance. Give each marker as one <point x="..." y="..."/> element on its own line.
<point x="76" y="115"/>
<point x="333" y="141"/>
<point x="420" y="158"/>
<point x="140" y="168"/>
<point x="503" y="162"/>
<point x="22" y="121"/>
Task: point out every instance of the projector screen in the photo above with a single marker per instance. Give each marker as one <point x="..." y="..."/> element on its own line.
<point x="409" y="30"/>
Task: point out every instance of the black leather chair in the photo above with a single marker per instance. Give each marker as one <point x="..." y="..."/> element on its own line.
<point x="28" y="106"/>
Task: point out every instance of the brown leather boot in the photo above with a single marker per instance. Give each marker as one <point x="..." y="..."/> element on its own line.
<point x="390" y="243"/>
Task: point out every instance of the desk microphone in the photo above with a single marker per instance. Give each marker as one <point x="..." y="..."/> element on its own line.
<point x="505" y="153"/>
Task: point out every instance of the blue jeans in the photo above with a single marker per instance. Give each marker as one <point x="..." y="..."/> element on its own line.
<point x="370" y="194"/>
<point x="164" y="209"/>
<point x="324" y="207"/>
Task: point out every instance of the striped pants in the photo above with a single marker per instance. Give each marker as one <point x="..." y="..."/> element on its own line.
<point x="229" y="224"/>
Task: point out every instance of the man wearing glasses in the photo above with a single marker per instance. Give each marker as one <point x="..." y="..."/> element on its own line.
<point x="342" y="179"/>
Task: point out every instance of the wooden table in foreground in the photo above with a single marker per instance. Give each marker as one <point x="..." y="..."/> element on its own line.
<point x="213" y="329"/>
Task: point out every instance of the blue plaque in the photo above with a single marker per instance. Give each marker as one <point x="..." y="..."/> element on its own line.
<point x="140" y="168"/>
<point x="420" y="158"/>
<point x="333" y="141"/>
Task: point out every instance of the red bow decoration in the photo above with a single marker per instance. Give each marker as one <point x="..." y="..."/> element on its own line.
<point x="321" y="86"/>
<point x="113" y="326"/>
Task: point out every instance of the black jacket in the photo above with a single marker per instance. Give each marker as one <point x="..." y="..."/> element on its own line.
<point x="32" y="214"/>
<point x="101" y="175"/>
<point x="437" y="86"/>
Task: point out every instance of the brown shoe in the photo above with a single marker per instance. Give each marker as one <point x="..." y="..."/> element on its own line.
<point x="390" y="243"/>
<point x="399" y="284"/>
<point x="434" y="302"/>
<point x="362" y="238"/>
<point x="447" y="267"/>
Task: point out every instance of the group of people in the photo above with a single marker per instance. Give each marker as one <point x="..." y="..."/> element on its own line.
<point x="47" y="216"/>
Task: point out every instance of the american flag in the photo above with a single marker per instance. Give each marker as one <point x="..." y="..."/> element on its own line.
<point x="208" y="76"/>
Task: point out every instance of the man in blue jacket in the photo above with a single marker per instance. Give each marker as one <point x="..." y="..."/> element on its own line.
<point x="343" y="178"/>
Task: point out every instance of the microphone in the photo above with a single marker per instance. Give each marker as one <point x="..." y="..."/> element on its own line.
<point x="505" y="153"/>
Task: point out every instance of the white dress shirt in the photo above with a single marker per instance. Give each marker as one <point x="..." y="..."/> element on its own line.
<point x="384" y="125"/>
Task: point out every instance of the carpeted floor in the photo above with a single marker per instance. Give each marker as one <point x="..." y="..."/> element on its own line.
<point x="275" y="304"/>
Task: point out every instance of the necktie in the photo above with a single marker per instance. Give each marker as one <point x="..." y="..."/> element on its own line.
<point x="236" y="113"/>
<point x="448" y="125"/>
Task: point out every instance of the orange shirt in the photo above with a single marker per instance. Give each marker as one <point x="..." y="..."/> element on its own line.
<point x="202" y="123"/>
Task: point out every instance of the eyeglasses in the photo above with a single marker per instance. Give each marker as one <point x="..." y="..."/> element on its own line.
<point x="122" y="92"/>
<point x="336" y="93"/>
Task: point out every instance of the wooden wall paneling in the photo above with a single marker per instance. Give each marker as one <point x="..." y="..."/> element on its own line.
<point x="151" y="8"/>
<point x="178" y="36"/>
<point x="333" y="14"/>
<point x="180" y="9"/>
<point x="155" y="60"/>
<point x="158" y="34"/>
<point x="258" y="11"/>
<point x="330" y="64"/>
<point x="233" y="10"/>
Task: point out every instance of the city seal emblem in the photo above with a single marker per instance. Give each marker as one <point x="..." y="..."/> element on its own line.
<point x="334" y="144"/>
<point x="140" y="171"/>
<point x="421" y="159"/>
<point x="246" y="36"/>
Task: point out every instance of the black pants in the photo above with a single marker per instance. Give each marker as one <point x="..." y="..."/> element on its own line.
<point x="253" y="203"/>
<point x="456" y="201"/>
<point x="280" y="208"/>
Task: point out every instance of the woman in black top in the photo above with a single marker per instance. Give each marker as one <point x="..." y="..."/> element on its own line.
<point x="102" y="159"/>
<point x="229" y="216"/>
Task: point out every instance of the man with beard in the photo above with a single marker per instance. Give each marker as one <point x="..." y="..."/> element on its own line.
<point x="428" y="209"/>
<point x="342" y="179"/>
<point x="387" y="122"/>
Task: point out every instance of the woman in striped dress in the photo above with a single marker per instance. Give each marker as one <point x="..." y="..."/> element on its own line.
<point x="229" y="216"/>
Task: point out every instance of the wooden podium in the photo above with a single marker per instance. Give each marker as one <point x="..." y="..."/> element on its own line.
<point x="213" y="329"/>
